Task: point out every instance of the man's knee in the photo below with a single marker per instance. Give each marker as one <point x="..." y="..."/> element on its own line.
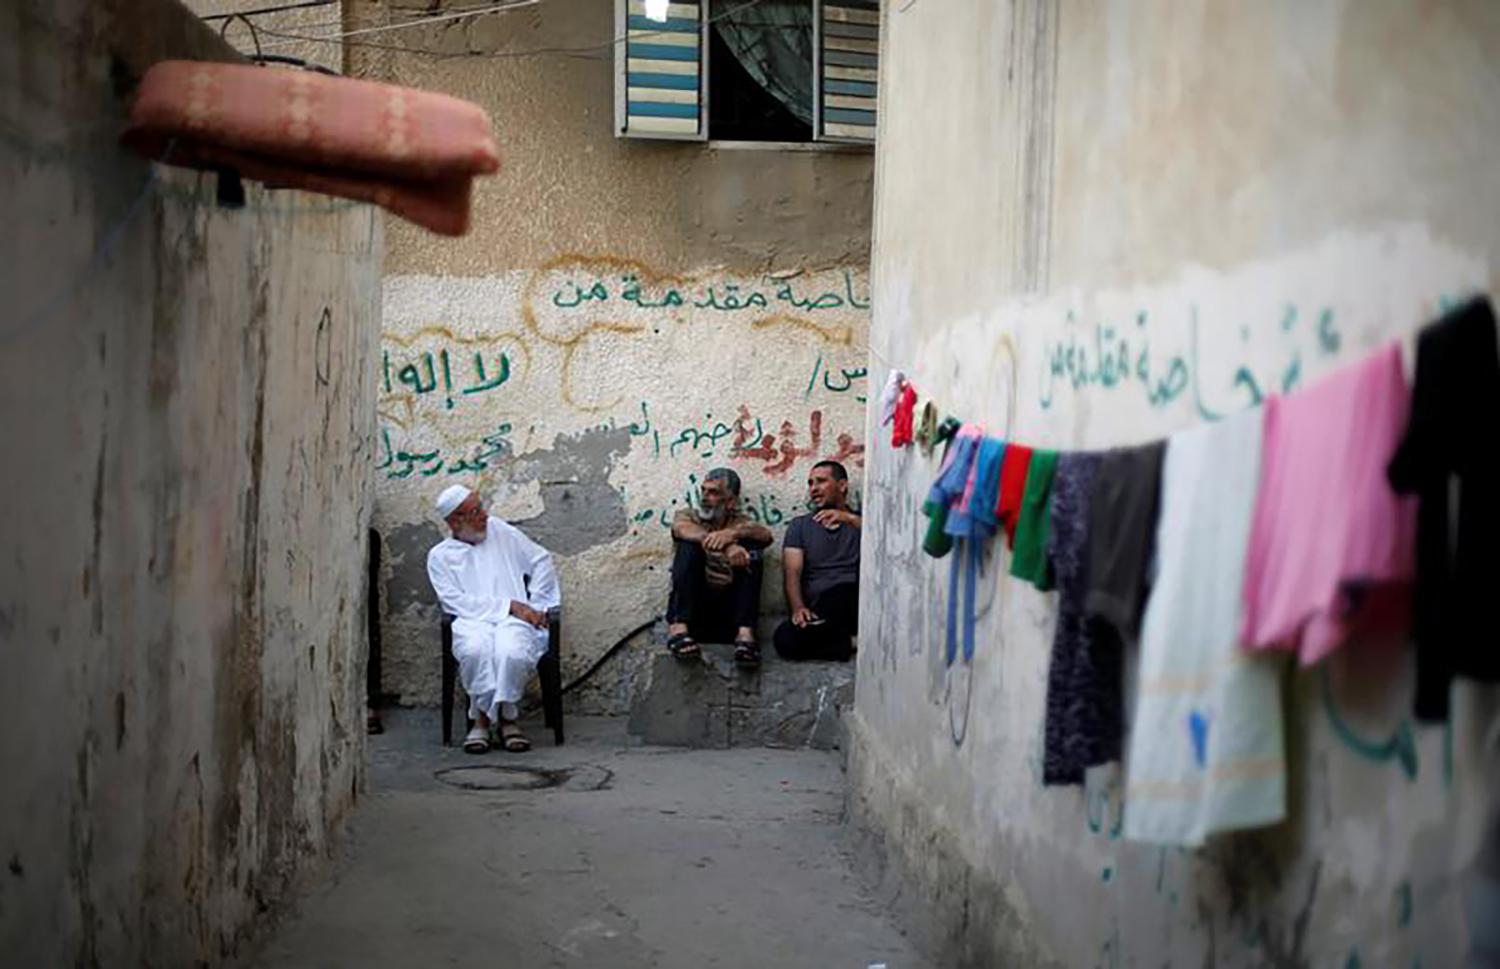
<point x="787" y="640"/>
<point x="687" y="553"/>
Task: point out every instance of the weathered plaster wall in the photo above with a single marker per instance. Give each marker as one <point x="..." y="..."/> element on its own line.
<point x="188" y="398"/>
<point x="599" y="396"/>
<point x="1095" y="224"/>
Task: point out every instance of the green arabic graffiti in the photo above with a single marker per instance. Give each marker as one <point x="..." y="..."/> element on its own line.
<point x="724" y="298"/>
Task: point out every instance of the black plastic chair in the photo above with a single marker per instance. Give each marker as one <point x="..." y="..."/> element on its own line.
<point x="548" y="671"/>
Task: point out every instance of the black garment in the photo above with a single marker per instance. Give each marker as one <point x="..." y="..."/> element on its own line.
<point x="830" y="557"/>
<point x="1122" y="510"/>
<point x="838" y="607"/>
<point x="1085" y="718"/>
<point x="712" y="613"/>
<point x="1445" y="452"/>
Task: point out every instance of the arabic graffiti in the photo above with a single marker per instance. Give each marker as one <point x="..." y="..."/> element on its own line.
<point x="1120" y="357"/>
<point x="851" y="378"/>
<point x="762" y="507"/>
<point x="1400" y="746"/>
<point x="748" y="440"/>
<point x="403" y="463"/>
<point x="420" y="376"/>
<point x="725" y="298"/>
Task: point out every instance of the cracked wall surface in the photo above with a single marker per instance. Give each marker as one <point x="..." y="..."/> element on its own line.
<point x="189" y="395"/>
<point x="1156" y="215"/>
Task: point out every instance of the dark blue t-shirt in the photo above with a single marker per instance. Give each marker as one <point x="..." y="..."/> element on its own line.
<point x="829" y="558"/>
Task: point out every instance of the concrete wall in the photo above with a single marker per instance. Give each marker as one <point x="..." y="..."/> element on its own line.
<point x="1246" y="195"/>
<point x="188" y="396"/>
<point x="609" y="406"/>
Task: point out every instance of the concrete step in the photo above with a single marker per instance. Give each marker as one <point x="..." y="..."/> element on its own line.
<point x="710" y="702"/>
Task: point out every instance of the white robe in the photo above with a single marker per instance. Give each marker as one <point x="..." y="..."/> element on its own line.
<point x="476" y="584"/>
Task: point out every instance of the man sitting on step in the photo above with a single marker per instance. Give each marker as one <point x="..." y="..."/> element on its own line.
<point x="820" y="565"/>
<point x="716" y="572"/>
<point x="499" y="627"/>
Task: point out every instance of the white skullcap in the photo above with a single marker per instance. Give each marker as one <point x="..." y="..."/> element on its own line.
<point x="450" y="499"/>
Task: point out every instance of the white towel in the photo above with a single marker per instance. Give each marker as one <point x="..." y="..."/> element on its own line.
<point x="1206" y="751"/>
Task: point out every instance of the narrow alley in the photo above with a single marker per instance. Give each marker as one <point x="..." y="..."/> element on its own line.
<point x="603" y="853"/>
<point x="979" y="484"/>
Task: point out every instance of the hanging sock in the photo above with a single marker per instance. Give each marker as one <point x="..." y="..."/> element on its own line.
<point x="893" y="383"/>
<point x="927" y="428"/>
<point x="947" y="430"/>
<point x="901" y="425"/>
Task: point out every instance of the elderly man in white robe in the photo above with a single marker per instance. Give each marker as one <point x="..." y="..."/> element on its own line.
<point x="499" y="625"/>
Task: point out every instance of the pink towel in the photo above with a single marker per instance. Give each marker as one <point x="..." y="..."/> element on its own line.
<point x="1331" y="545"/>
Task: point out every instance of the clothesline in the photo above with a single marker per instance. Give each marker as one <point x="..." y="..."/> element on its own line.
<point x="1295" y="526"/>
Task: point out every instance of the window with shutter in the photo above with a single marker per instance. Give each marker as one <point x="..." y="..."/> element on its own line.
<point x="848" y="49"/>
<point x="660" y="89"/>
<point x="748" y="70"/>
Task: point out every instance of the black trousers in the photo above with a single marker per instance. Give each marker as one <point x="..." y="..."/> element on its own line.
<point x="838" y="607"/>
<point x="713" y="614"/>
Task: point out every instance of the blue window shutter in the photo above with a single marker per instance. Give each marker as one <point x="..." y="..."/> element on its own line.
<point x="847" y="49"/>
<point x="661" y="88"/>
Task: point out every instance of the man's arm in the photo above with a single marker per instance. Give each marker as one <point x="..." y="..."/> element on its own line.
<point x="753" y="535"/>
<point x="455" y="600"/>
<point x="791" y="570"/>
<point x="546" y="591"/>
<point x="838" y="516"/>
<point x="685" y="529"/>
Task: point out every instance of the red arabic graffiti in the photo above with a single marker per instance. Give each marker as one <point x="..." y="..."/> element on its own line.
<point x="780" y="458"/>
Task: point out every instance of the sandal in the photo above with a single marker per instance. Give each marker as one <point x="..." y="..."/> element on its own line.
<point x="513" y="740"/>
<point x="683" y="646"/>
<point x="746" y="653"/>
<point x="477" y="741"/>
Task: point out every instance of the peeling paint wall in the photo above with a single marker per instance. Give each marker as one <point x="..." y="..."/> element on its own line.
<point x="189" y="400"/>
<point x="1096" y="224"/>
<point x="623" y="317"/>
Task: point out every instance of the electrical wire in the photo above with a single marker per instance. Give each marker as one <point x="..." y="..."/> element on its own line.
<point x="263" y="10"/>
<point x="598" y="48"/>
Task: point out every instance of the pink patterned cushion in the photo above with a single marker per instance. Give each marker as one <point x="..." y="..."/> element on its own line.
<point x="412" y="152"/>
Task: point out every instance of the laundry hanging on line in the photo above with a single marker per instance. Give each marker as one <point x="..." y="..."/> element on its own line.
<point x="1237" y="727"/>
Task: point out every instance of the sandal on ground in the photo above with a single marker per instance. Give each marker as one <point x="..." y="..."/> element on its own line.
<point x="746" y="653"/>
<point x="477" y="740"/>
<point x="683" y="646"/>
<point x="513" y="740"/>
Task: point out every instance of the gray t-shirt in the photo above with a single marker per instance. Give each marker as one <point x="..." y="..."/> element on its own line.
<point x="829" y="558"/>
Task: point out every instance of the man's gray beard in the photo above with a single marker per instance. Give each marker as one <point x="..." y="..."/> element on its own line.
<point x="711" y="516"/>
<point x="470" y="536"/>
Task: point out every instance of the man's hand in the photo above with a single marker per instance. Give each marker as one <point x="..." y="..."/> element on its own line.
<point x="527" y="614"/>
<point x="738" y="556"/>
<point x="802" y="615"/>
<point x="720" y="540"/>
<point x="831" y="518"/>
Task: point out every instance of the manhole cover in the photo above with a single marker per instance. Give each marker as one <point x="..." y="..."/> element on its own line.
<point x="489" y="777"/>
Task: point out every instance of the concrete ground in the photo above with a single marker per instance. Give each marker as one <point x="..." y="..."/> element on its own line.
<point x="635" y="856"/>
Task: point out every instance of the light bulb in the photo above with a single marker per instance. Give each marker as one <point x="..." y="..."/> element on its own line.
<point x="657" y="10"/>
